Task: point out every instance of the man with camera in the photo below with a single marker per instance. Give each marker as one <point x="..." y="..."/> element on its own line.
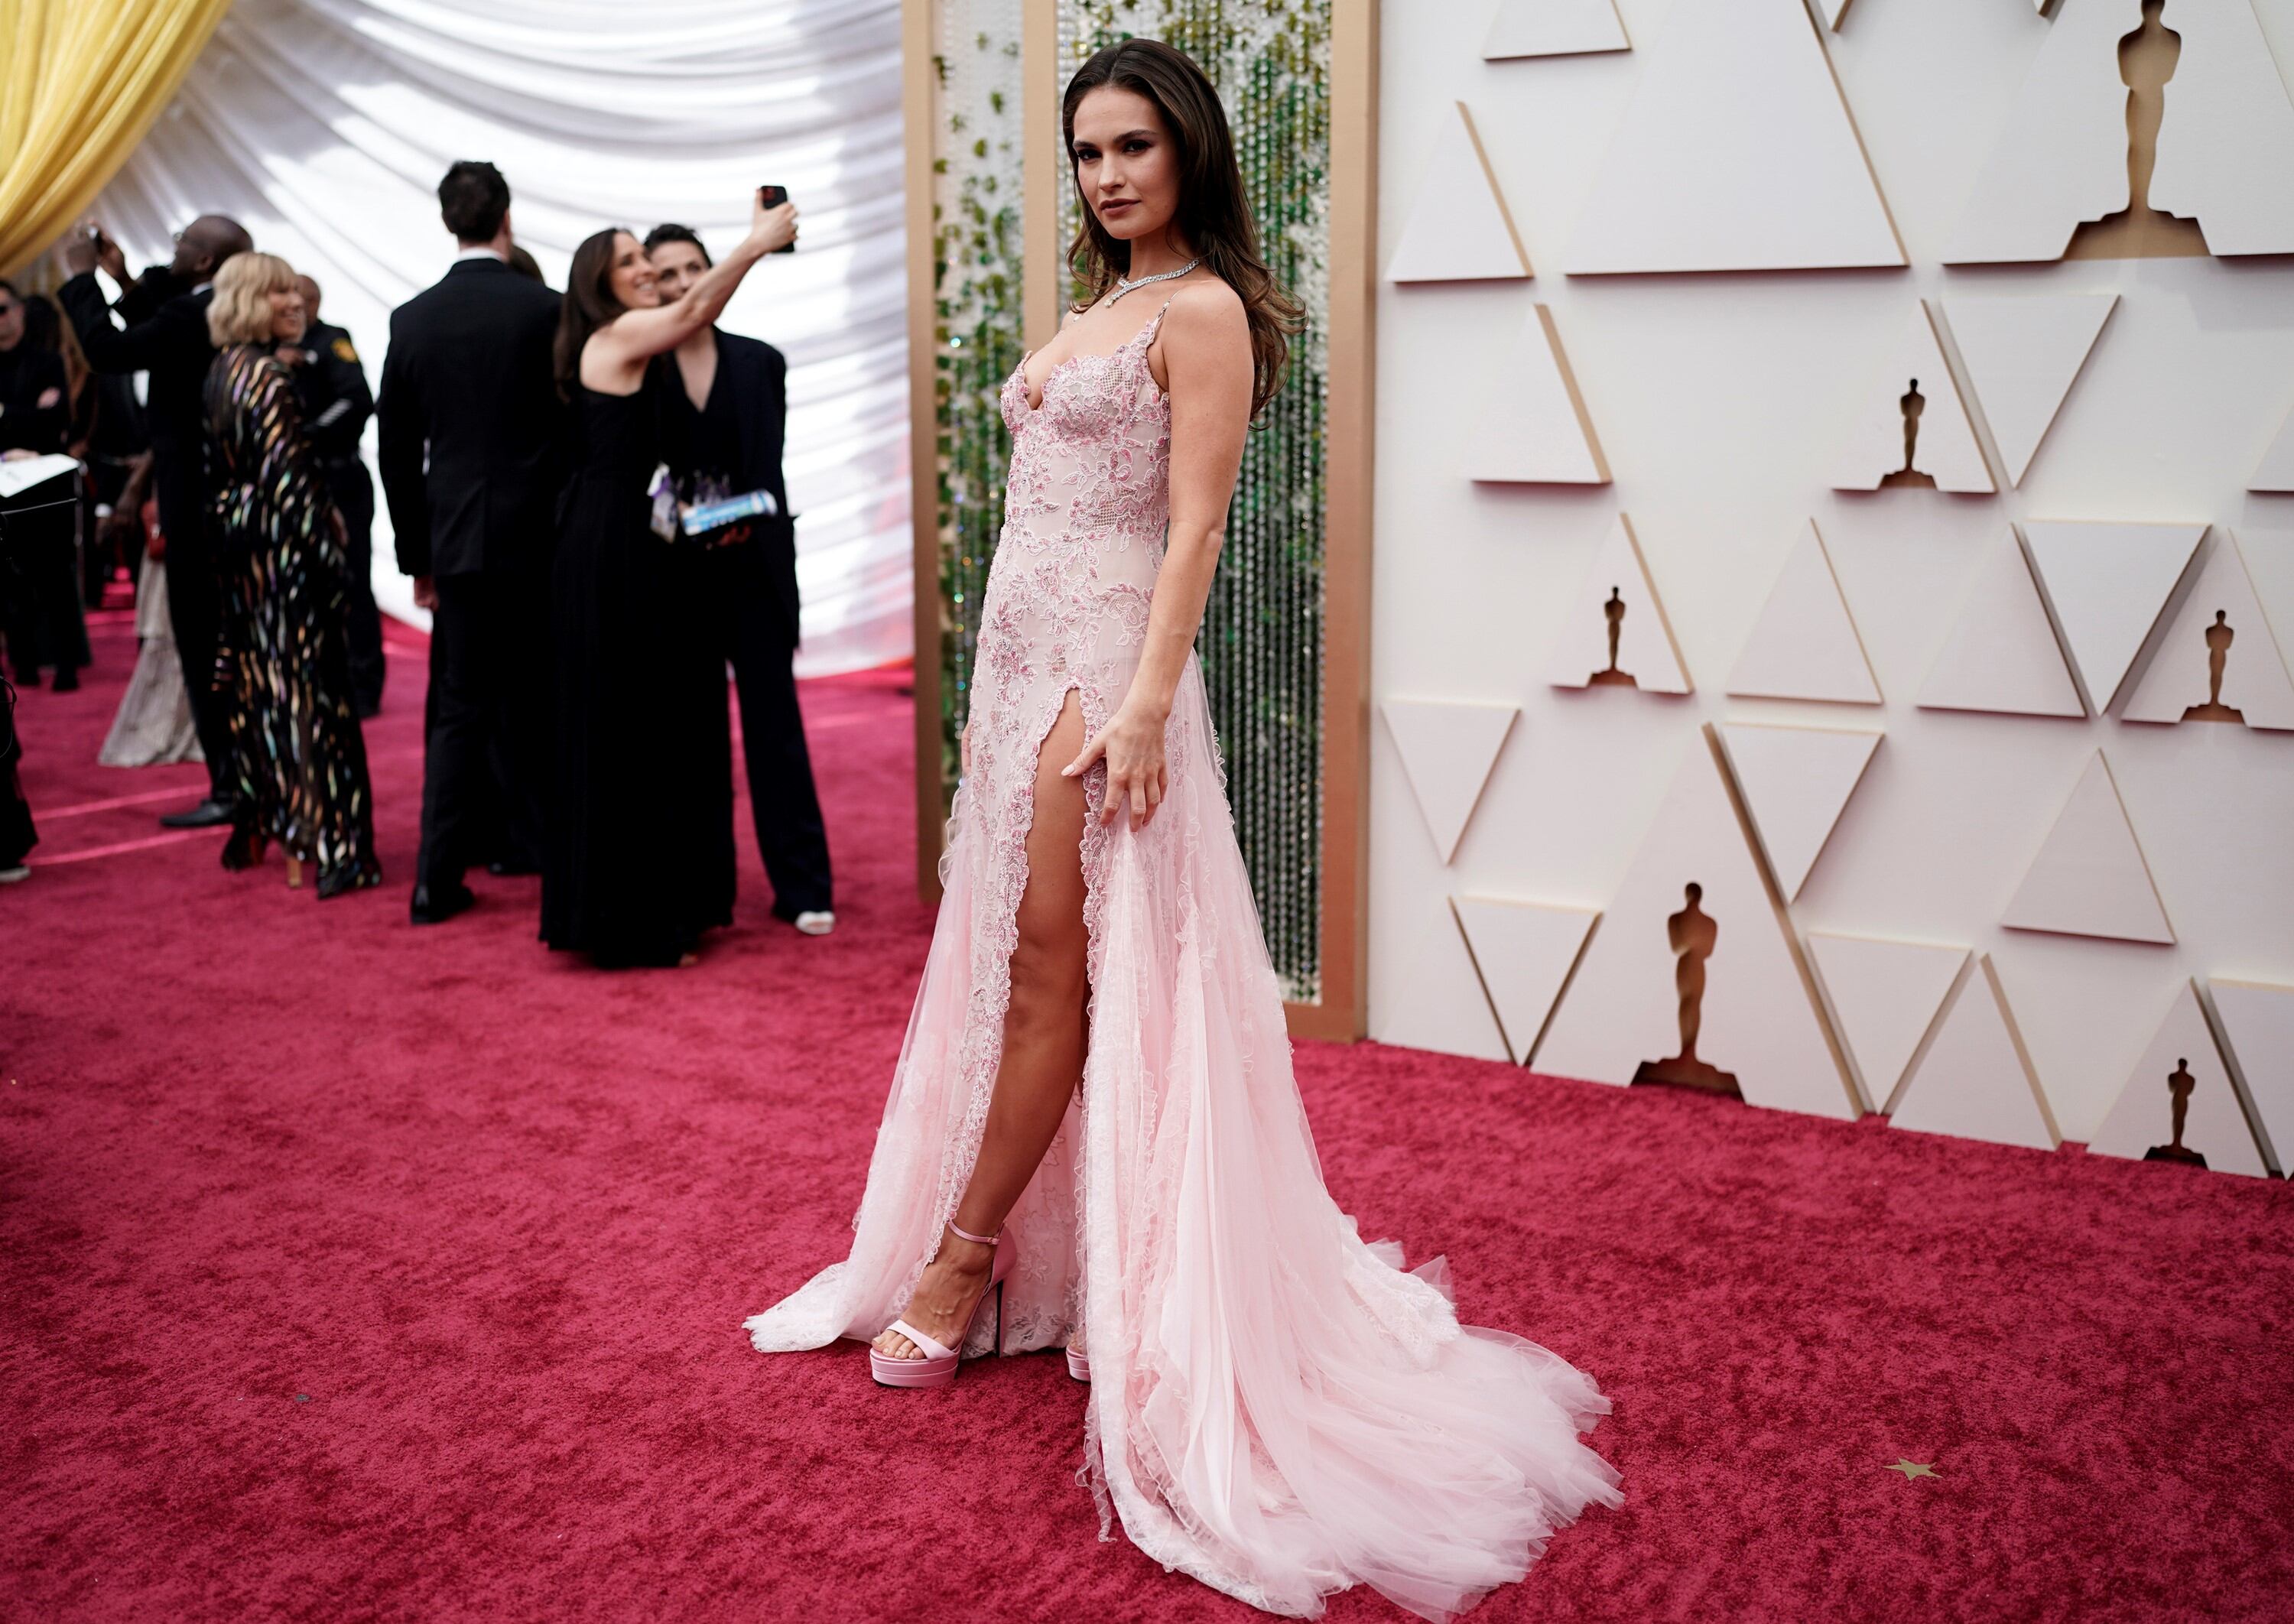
<point x="166" y="335"/>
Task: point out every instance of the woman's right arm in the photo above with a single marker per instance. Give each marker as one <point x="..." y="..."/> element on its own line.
<point x="636" y="336"/>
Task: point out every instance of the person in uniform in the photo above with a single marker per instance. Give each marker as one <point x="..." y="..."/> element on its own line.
<point x="332" y="385"/>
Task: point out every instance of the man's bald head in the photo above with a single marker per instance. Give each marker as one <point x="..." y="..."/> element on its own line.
<point x="310" y="288"/>
<point x="206" y="243"/>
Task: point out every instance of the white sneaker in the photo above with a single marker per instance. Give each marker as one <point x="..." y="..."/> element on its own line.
<point x="815" y="922"/>
<point x="10" y="876"/>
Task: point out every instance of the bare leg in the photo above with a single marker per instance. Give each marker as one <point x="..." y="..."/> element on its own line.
<point x="1043" y="1046"/>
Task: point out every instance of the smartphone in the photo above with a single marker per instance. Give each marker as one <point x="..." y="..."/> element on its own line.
<point x="775" y="196"/>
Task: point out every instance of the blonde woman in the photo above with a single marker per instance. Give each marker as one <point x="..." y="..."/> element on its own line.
<point x="298" y="762"/>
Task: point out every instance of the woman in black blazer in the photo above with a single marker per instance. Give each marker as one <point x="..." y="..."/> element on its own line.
<point x="734" y="410"/>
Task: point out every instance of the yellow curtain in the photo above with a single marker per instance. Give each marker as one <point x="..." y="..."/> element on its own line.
<point x="83" y="81"/>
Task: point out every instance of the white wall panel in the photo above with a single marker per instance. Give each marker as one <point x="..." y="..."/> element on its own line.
<point x="1718" y="398"/>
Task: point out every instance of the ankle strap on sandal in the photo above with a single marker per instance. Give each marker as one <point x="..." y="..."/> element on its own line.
<point x="963" y="1234"/>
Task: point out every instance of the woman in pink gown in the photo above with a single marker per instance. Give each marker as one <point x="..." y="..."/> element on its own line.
<point x="1093" y="1125"/>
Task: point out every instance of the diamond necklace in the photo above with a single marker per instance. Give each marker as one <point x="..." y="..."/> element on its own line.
<point x="1123" y="284"/>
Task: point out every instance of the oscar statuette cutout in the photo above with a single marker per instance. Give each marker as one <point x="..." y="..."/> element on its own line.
<point x="1694" y="935"/>
<point x="2147" y="58"/>
<point x="2180" y="1084"/>
<point x="1610" y="677"/>
<point x="1912" y="403"/>
<point x="2218" y="641"/>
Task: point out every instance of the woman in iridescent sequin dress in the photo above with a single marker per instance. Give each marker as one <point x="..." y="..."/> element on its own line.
<point x="297" y="760"/>
<point x="1093" y="1126"/>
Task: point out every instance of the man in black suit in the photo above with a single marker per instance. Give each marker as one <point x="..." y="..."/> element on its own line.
<point x="330" y="384"/>
<point x="167" y="337"/>
<point x="471" y="432"/>
<point x="750" y="610"/>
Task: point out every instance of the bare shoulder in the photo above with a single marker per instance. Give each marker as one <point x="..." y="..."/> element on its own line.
<point x="1205" y="342"/>
<point x="1205" y="312"/>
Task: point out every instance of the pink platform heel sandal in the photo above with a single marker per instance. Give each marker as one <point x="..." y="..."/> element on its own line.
<point x="937" y="1368"/>
<point x="1079" y="1364"/>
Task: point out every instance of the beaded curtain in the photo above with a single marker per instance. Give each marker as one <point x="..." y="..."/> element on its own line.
<point x="1261" y="643"/>
<point x="976" y="285"/>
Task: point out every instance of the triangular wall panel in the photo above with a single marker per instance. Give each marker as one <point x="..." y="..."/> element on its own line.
<point x="2062" y="157"/>
<point x="1553" y="28"/>
<point x="1458" y="227"/>
<point x="1758" y="1018"/>
<point x="1617" y="593"/>
<point x="1976" y="1081"/>
<point x="2226" y="145"/>
<point x="1796" y="782"/>
<point x="2214" y="1125"/>
<point x="1524" y="953"/>
<point x="2001" y="654"/>
<point x="2089" y="877"/>
<point x="2219" y="615"/>
<point x="2226" y="152"/>
<point x="2023" y="354"/>
<point x="1435" y="1001"/>
<point x="1885" y="996"/>
<point x="1531" y="426"/>
<point x="2108" y="584"/>
<point x="2259" y="1020"/>
<point x="1735" y="153"/>
<point x="1804" y="644"/>
<point x="1447" y="750"/>
<point x="1943" y="446"/>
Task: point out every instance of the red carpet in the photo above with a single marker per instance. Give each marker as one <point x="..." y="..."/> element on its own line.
<point x="357" y="1271"/>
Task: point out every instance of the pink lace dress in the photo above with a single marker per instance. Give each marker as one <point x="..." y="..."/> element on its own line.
<point x="1277" y="1407"/>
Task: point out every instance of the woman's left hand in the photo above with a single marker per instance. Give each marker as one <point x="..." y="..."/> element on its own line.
<point x="1132" y="743"/>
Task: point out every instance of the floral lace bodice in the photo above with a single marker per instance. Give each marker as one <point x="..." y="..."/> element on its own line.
<point x="1088" y="499"/>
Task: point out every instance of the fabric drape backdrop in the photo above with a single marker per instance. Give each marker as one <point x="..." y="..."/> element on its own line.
<point x="83" y="80"/>
<point x="324" y="125"/>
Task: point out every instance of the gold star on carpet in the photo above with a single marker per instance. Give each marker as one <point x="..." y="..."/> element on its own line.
<point x="1911" y="1469"/>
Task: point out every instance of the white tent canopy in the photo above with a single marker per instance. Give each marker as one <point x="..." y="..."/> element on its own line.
<point x="324" y="125"/>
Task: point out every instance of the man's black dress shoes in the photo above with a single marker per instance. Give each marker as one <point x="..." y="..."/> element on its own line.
<point x="207" y="815"/>
<point x="436" y="906"/>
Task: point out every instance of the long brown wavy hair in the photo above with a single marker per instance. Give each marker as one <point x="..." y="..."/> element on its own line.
<point x="589" y="305"/>
<point x="1214" y="212"/>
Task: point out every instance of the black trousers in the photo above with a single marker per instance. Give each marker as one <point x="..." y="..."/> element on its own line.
<point x="348" y="482"/>
<point x="486" y="725"/>
<point x="751" y="627"/>
<point x="194" y="603"/>
<point x="43" y="620"/>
